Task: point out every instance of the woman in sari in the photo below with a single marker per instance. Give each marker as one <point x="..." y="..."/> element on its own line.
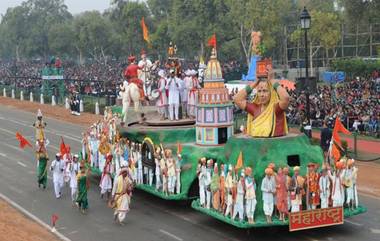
<point x="266" y="113"/>
<point x="42" y="158"/>
<point x="83" y="186"/>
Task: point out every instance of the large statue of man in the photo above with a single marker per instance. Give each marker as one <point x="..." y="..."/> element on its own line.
<point x="130" y="73"/>
<point x="145" y="66"/>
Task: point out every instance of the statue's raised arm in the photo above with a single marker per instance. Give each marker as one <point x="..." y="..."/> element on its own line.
<point x="266" y="113"/>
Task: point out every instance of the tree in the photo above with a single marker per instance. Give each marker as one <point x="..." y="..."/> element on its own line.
<point x="324" y="32"/>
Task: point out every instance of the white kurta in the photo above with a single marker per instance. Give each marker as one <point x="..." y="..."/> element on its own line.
<point x="172" y="85"/>
<point x="57" y="167"/>
<point x="182" y="90"/>
<point x="268" y="187"/>
<point x="337" y="194"/>
<point x="250" y="197"/>
<point x="192" y="85"/>
<point x="239" y="204"/>
<point x="106" y="180"/>
<point x="162" y="100"/>
<point x="324" y="191"/>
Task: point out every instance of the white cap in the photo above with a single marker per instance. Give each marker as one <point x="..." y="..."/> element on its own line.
<point x="230" y="167"/>
<point x="39" y="113"/>
<point x="179" y="155"/>
<point x="161" y="73"/>
<point x="58" y="154"/>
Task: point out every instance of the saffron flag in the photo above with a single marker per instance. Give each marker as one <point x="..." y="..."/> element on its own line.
<point x="338" y="127"/>
<point x="239" y="163"/>
<point x="179" y="148"/>
<point x="145" y="31"/>
<point x="64" y="149"/>
<point x="212" y="41"/>
<point x="23" y="142"/>
<point x="54" y="219"/>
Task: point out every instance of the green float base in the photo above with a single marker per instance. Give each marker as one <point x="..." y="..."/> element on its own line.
<point x="152" y="190"/>
<point x="259" y="221"/>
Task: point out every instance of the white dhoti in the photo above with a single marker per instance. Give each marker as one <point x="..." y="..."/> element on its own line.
<point x="239" y="207"/>
<point x="229" y="204"/>
<point x="202" y="196"/>
<point x="105" y="184"/>
<point x="178" y="183"/>
<point x="250" y="207"/>
<point x="324" y="200"/>
<point x="122" y="208"/>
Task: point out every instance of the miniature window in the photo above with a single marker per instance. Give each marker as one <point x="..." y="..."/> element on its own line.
<point x="293" y="160"/>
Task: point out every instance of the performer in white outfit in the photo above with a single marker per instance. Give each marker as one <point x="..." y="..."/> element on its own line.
<point x="145" y="66"/>
<point x="324" y="188"/>
<point x="157" y="172"/>
<point x="172" y="85"/>
<point x="178" y="173"/>
<point x="138" y="157"/>
<point x="250" y="195"/>
<point x="121" y="194"/>
<point x="239" y="203"/>
<point x="268" y="188"/>
<point x="57" y="167"/>
<point x="228" y="187"/>
<point x="106" y="180"/>
<point x="337" y="193"/>
<point x="162" y="101"/>
<point x="201" y="171"/>
<point x="192" y="86"/>
<point x="349" y="182"/>
<point x="183" y="93"/>
<point x="170" y="163"/>
<point x="210" y="165"/>
<point x="74" y="170"/>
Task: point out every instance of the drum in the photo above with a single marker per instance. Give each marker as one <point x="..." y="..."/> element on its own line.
<point x="155" y="94"/>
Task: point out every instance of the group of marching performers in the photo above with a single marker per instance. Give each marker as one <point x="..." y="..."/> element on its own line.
<point x="232" y="191"/>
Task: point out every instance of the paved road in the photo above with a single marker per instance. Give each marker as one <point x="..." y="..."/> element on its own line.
<point x="150" y="218"/>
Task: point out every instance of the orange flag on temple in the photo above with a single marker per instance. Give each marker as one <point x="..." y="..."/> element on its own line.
<point x="212" y="41"/>
<point x="145" y="31"/>
<point x="179" y="148"/>
<point x="23" y="142"/>
<point x="239" y="163"/>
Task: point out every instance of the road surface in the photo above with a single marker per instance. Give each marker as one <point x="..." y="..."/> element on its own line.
<point x="150" y="218"/>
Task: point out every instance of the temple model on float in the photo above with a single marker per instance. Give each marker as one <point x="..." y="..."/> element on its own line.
<point x="238" y="177"/>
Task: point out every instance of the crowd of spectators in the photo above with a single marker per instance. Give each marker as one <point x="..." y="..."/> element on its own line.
<point x="356" y="102"/>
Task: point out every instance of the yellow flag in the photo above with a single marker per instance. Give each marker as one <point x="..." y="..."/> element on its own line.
<point x="239" y="163"/>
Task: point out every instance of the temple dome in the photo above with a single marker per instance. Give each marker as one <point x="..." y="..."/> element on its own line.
<point x="213" y="72"/>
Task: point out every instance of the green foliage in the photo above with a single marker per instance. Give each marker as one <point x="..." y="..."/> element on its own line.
<point x="355" y="67"/>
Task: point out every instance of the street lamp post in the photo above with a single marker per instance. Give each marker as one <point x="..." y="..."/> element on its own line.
<point x="305" y="25"/>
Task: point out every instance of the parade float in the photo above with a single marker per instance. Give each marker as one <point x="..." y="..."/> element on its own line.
<point x="211" y="136"/>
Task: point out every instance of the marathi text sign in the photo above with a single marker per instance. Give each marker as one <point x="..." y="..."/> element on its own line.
<point x="315" y="218"/>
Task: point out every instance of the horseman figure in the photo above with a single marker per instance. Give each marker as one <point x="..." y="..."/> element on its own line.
<point x="130" y="73"/>
<point x="144" y="73"/>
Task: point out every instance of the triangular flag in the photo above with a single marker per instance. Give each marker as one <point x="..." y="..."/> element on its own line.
<point x="338" y="127"/>
<point x="54" y="219"/>
<point x="64" y="149"/>
<point x="179" y="148"/>
<point x="212" y="41"/>
<point x="145" y="31"/>
<point x="23" y="142"/>
<point x="239" y="163"/>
